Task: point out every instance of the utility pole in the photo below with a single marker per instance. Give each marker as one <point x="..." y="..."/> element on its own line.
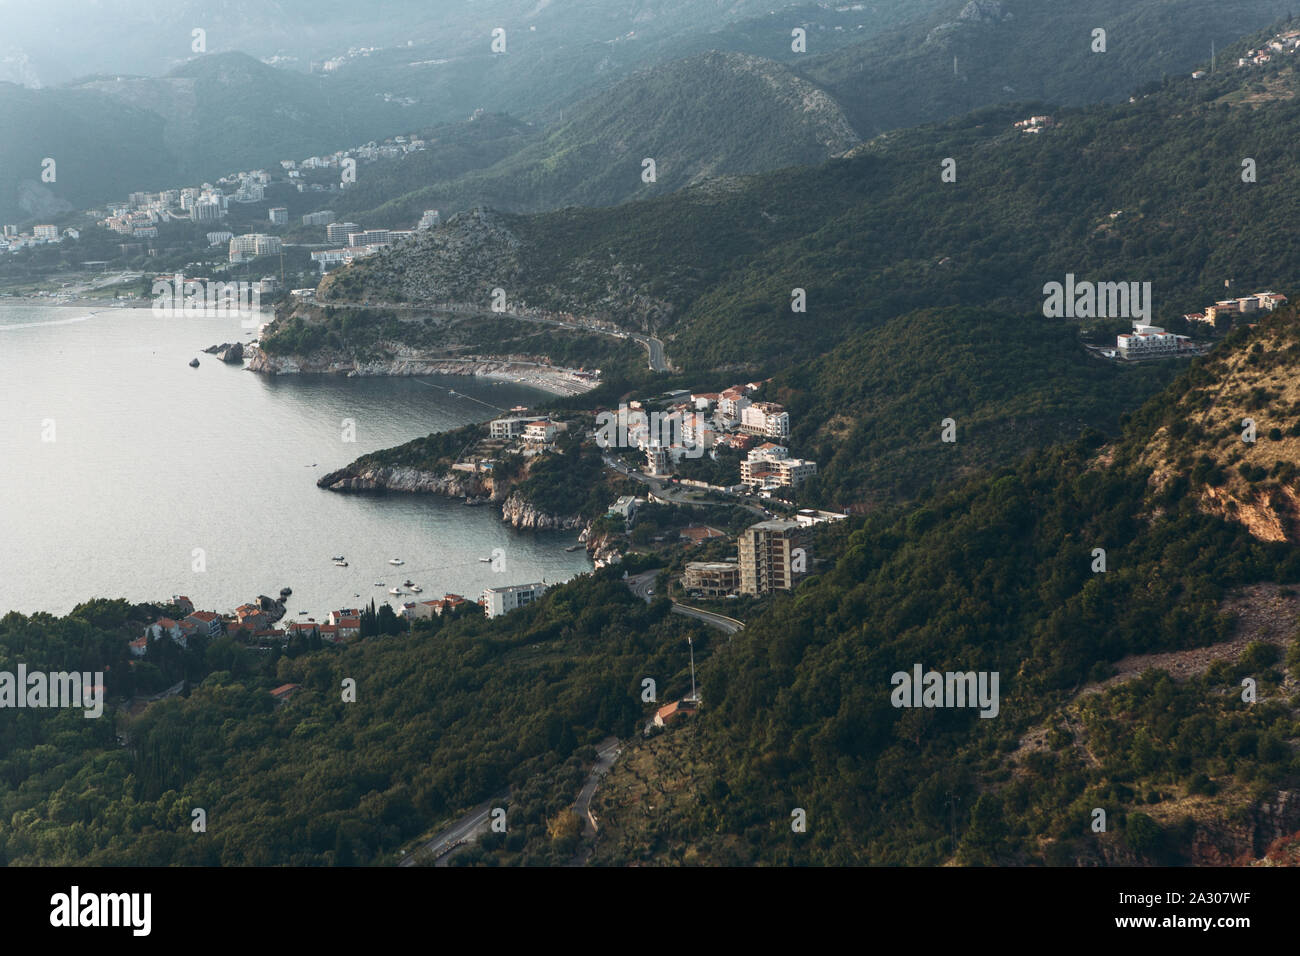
<point x="691" y="642"/>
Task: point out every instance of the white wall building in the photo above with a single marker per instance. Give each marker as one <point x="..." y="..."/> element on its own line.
<point x="498" y="601"/>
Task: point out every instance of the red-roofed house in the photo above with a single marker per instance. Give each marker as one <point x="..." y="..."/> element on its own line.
<point x="285" y="691"/>
<point x="204" y="622"/>
<point x="669" y="712"/>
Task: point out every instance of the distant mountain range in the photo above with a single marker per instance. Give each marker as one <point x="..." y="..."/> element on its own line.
<point x="572" y="71"/>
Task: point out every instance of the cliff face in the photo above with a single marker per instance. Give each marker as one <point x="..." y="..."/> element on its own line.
<point x="379" y="478"/>
<point x="521" y="514"/>
<point x="514" y="509"/>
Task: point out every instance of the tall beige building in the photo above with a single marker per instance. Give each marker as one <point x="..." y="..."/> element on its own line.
<point x="774" y="555"/>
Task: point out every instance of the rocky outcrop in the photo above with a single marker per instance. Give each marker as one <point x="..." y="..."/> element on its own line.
<point x="521" y="514"/>
<point x="271" y="607"/>
<point x="380" y="478"/>
<point x="231" y="352"/>
<point x="603" y="549"/>
<point x="401" y="361"/>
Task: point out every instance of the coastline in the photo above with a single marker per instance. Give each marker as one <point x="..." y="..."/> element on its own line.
<point x="554" y="379"/>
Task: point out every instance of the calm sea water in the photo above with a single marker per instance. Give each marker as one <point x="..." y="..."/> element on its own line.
<point x="152" y="459"/>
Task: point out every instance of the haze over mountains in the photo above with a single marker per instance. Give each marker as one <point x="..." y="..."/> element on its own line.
<point x="868" y="68"/>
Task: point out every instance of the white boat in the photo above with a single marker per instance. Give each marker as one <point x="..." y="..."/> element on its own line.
<point x="486" y="560"/>
<point x="394" y="590"/>
<point x="396" y="561"/>
<point x="340" y="564"/>
<point x="416" y="588"/>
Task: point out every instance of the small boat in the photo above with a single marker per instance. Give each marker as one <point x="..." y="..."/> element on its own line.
<point x="379" y="584"/>
<point x="394" y="590"/>
<point x="285" y="592"/>
<point x="416" y="588"/>
<point x="338" y="557"/>
<point x="408" y="583"/>
<point x="340" y="564"/>
<point x="396" y="561"/>
<point x="194" y="363"/>
<point x="486" y="560"/>
<point x="574" y="547"/>
<point x="302" y="612"/>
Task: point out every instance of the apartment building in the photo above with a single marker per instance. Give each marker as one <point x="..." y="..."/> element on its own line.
<point x="338" y="231"/>
<point x="765" y="418"/>
<point x="1148" y="341"/>
<point x="774" y="556"/>
<point x="498" y="601"/>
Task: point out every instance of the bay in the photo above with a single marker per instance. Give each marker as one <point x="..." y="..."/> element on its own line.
<point x="151" y="459"/>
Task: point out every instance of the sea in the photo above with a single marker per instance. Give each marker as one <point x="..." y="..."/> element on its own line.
<point x="125" y="473"/>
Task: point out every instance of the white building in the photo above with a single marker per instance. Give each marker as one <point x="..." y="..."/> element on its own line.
<point x="512" y="427"/>
<point x="765" y="418"/>
<point x="498" y="601"/>
<point x="1147" y="341"/>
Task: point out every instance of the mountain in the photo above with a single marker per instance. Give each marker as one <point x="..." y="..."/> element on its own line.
<point x="1120" y="685"/>
<point x="65" y="126"/>
<point x="755" y="116"/>
<point x="1111" y="192"/>
<point x="977" y="53"/>
<point x="206" y="118"/>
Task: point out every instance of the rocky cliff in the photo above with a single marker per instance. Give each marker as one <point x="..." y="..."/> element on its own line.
<point x="386" y="478"/>
<point x="521" y="514"/>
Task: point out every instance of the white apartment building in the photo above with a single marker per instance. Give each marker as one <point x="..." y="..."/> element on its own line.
<point x="732" y="402"/>
<point x="339" y="231"/>
<point x="1150" y="340"/>
<point x="498" y="601"/>
<point x="765" y="418"/>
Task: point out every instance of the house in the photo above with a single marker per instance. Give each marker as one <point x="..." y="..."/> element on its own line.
<point x="165" y="625"/>
<point x="625" y="507"/>
<point x="207" y="623"/>
<point x="183" y="602"/>
<point x="140" y="646"/>
<point x="285" y="691"/>
<point x="703" y="401"/>
<point x="335" y="617"/>
<point x="251" y="616"/>
<point x="670" y="712"/>
<point x="541" y="432"/>
<point x="348" y="627"/>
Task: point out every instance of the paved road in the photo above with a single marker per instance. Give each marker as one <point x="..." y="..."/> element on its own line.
<point x="728" y="625"/>
<point x="640" y="585"/>
<point x="606" y="754"/>
<point x="466" y="829"/>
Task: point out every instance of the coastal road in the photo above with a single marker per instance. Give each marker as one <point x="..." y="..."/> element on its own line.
<point x="467" y="828"/>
